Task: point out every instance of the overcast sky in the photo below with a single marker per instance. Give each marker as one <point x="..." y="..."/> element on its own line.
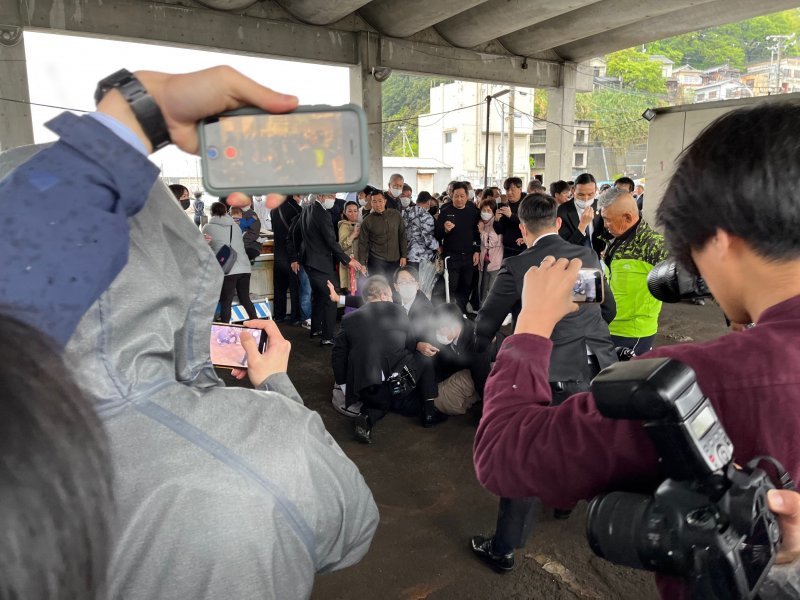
<point x="63" y="70"/>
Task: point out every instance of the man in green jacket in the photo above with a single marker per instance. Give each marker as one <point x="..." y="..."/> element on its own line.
<point x="634" y="251"/>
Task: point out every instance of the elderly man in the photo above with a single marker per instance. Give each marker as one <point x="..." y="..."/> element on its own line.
<point x="394" y="192"/>
<point x="634" y="251"/>
<point x="382" y="244"/>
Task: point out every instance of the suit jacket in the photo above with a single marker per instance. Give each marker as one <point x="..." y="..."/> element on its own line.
<point x="464" y="354"/>
<point x="572" y="334"/>
<point x="320" y="247"/>
<point x="569" y="227"/>
<point x="419" y="314"/>
<point x="372" y="342"/>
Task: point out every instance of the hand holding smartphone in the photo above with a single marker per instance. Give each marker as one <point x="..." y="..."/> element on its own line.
<point x="226" y="346"/>
<point x="589" y="286"/>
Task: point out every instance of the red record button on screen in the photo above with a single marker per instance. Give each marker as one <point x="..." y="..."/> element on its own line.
<point x="230" y="152"/>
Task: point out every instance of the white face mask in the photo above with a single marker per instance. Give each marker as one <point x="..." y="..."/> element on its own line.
<point x="408" y="291"/>
<point x="362" y="202"/>
<point x="583" y="204"/>
<point x="443" y="339"/>
<point x="396" y="191"/>
<point x="405" y="202"/>
<point x="486" y="216"/>
<point x="328" y="204"/>
<point x="471" y="194"/>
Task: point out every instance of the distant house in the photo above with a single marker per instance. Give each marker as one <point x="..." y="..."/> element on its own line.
<point x="727" y="89"/>
<point x="421" y="174"/>
<point x="666" y="64"/>
<point x="685" y="79"/>
<point x="763" y="79"/>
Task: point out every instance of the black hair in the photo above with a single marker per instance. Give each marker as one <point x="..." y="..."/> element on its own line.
<point x="584" y="179"/>
<point x="537" y="212"/>
<point x="558" y="187"/>
<point x="570" y="183"/>
<point x="178" y="190"/>
<point x="55" y="475"/>
<point x="218" y="209"/>
<point x="374" y="286"/>
<point x="760" y="205"/>
<point x="407" y="188"/>
<point x="515" y="181"/>
<point x="447" y="312"/>
<point x="626" y="181"/>
<point x="460" y="185"/>
<point x="348" y="203"/>
<point x="410" y="270"/>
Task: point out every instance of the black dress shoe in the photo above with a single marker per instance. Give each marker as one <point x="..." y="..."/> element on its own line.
<point x="316" y="334"/>
<point x="362" y="428"/>
<point x="432" y="416"/>
<point x="326" y="343"/>
<point x="562" y="514"/>
<point x="482" y="548"/>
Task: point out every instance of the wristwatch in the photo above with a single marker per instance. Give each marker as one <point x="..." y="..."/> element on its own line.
<point x="142" y="104"/>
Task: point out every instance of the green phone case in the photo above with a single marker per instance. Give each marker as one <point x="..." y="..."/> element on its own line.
<point x="353" y="186"/>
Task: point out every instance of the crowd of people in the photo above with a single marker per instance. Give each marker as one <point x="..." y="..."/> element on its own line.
<point x="129" y="471"/>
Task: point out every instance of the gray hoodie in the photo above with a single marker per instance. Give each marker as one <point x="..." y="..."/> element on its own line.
<point x="221" y="492"/>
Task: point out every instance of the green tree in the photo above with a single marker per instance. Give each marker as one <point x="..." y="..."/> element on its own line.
<point x="404" y="98"/>
<point x="637" y="71"/>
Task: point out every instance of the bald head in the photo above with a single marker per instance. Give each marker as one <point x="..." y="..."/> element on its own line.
<point x="620" y="214"/>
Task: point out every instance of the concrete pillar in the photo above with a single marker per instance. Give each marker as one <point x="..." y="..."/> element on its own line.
<point x="561" y="137"/>
<point x="16" y="127"/>
<point x="366" y="91"/>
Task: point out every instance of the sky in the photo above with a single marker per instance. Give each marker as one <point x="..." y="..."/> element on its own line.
<point x="63" y="70"/>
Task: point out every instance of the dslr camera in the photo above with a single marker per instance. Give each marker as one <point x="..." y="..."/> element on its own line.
<point x="708" y="521"/>
<point x="401" y="383"/>
<point x="669" y="282"/>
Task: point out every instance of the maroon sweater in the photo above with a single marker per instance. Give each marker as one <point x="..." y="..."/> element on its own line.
<point x="566" y="453"/>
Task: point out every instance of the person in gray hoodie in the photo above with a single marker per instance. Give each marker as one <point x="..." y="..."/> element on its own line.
<point x="223" y="230"/>
<point x="220" y="492"/>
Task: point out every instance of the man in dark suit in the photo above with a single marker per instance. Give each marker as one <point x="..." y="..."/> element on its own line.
<point x="580" y="222"/>
<point x="283" y="278"/>
<point x="375" y="344"/>
<point x="581" y="348"/>
<point x="319" y="249"/>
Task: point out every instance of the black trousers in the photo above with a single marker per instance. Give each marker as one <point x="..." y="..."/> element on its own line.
<point x="377" y="266"/>
<point x="516" y="517"/>
<point x="460" y="269"/>
<point x="283" y="280"/>
<point x="377" y="400"/>
<point x="239" y="285"/>
<point x="323" y="309"/>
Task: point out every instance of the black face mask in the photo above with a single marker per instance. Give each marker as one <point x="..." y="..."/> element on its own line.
<point x="434" y="210"/>
<point x="185" y="204"/>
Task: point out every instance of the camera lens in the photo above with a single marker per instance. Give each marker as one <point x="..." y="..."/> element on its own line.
<point x="613" y="527"/>
<point x="662" y="282"/>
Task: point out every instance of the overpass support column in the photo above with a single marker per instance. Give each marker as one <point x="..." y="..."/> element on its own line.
<point x="561" y="140"/>
<point x="366" y="91"/>
<point x="16" y="127"/>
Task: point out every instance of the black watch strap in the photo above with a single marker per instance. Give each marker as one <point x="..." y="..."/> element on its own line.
<point x="142" y="104"/>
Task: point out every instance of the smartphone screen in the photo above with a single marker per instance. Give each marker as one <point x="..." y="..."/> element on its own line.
<point x="280" y="151"/>
<point x="226" y="347"/>
<point x="589" y="286"/>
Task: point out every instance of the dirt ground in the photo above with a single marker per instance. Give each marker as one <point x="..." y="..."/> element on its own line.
<point x="431" y="504"/>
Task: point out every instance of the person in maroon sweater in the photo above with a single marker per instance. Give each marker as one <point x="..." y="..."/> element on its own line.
<point x="743" y="236"/>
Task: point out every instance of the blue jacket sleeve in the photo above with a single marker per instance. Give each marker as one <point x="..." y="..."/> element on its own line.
<point x="83" y="189"/>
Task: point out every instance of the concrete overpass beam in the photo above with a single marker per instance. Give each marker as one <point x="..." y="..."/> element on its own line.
<point x="16" y="127"/>
<point x="402" y="19"/>
<point x="561" y="137"/>
<point x="366" y="91"/>
<point x="320" y="12"/>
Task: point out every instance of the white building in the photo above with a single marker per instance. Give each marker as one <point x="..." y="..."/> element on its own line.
<point x="727" y="89"/>
<point x="454" y="131"/>
<point x="666" y="64"/>
<point x="421" y="174"/>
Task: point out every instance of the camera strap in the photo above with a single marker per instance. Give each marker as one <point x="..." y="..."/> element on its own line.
<point x="785" y="480"/>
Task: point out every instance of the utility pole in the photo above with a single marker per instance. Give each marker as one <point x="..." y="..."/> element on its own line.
<point x="511" y="111"/>
<point x="781" y="42"/>
<point x="489" y="99"/>
<point x="501" y="158"/>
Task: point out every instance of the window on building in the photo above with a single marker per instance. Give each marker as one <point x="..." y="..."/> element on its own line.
<point x="597" y="71"/>
<point x="540" y="136"/>
<point x="580" y="159"/>
<point x="538" y="160"/>
<point x="448" y="137"/>
<point x="701" y="96"/>
<point x="712" y="95"/>
<point x="580" y="136"/>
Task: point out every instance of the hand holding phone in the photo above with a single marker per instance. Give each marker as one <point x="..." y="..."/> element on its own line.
<point x="263" y="364"/>
<point x="588" y="286"/>
<point x="449" y="226"/>
<point x="226" y="348"/>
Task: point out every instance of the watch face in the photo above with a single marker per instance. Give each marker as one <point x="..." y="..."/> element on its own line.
<point x="114" y="80"/>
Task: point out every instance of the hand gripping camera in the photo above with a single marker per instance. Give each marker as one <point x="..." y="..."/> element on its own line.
<point x="708" y="522"/>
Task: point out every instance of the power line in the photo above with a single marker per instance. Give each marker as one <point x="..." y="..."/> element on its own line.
<point x="565" y="128"/>
<point x="447" y="112"/>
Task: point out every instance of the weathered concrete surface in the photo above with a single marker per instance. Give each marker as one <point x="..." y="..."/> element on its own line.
<point x="16" y="127"/>
<point x="431" y="504"/>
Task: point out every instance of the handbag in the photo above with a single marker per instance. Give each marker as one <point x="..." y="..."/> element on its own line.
<point x="226" y="256"/>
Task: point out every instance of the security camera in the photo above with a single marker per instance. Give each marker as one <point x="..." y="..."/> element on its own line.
<point x="381" y="74"/>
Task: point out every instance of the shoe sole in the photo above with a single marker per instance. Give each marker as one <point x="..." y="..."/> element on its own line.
<point x="488" y="562"/>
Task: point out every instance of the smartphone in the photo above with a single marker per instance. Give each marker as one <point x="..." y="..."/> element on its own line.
<point x="589" y="286"/>
<point x="314" y="149"/>
<point x="226" y="348"/>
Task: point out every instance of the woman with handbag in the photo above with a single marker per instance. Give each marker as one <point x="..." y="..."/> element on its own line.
<point x="349" y="228"/>
<point x="226" y="242"/>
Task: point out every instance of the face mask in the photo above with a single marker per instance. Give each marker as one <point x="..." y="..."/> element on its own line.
<point x="408" y="291"/>
<point x="328" y="204"/>
<point x="434" y="211"/>
<point x="362" y="202"/>
<point x="486" y="216"/>
<point x="583" y="204"/>
<point x="405" y="202"/>
<point x="396" y="191"/>
<point x="471" y="194"/>
<point x="184" y="204"/>
<point x="443" y="339"/>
